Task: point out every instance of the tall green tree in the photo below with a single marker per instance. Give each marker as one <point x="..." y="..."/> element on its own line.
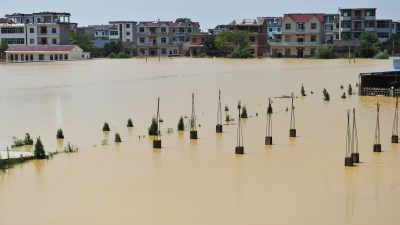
<point x="39" y="151"/>
<point x="3" y="48"/>
<point x="183" y="20"/>
<point x="210" y="48"/>
<point x="235" y="42"/>
<point x="369" y="45"/>
<point x="82" y="40"/>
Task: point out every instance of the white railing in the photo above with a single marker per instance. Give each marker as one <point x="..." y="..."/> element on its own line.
<point x="293" y="43"/>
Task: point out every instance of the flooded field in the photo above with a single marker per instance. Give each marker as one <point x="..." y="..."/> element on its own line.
<point x="296" y="181"/>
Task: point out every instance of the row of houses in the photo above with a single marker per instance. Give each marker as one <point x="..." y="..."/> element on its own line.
<point x="293" y="35"/>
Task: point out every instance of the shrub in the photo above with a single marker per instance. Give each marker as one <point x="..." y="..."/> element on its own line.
<point x="241" y="52"/>
<point x="326" y="95"/>
<point x="269" y="109"/>
<point x="226" y="108"/>
<point x="106" y="127"/>
<point x="117" y="138"/>
<point x="153" y="129"/>
<point x="17" y="142"/>
<point x="341" y="87"/>
<point x="112" y="55"/>
<point x="130" y="124"/>
<point x="325" y="52"/>
<point x="28" y="140"/>
<point x="122" y="55"/>
<point x="382" y="55"/>
<point x="303" y="91"/>
<point x="70" y="148"/>
<point x="350" y="90"/>
<point x="60" y="134"/>
<point x="344" y="95"/>
<point x="227" y="118"/>
<point x="39" y="151"/>
<point x="181" y="124"/>
<point x="244" y="113"/>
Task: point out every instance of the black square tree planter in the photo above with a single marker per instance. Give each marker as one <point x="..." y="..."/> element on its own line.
<point x="193" y="134"/>
<point x="377" y="148"/>
<point x="239" y="150"/>
<point x="292" y="133"/>
<point x="157" y="144"/>
<point x="348" y="161"/>
<point x="219" y="128"/>
<point x="356" y="157"/>
<point x="395" y="139"/>
<point x="268" y="140"/>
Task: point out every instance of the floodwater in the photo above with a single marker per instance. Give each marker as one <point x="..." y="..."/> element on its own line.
<point x="296" y="181"/>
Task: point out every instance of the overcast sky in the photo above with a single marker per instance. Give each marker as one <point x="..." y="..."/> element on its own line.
<point x="208" y="12"/>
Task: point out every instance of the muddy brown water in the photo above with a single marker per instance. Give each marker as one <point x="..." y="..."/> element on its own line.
<point x="295" y="181"/>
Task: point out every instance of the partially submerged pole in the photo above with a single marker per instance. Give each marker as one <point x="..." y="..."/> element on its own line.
<point x="395" y="131"/>
<point x="219" y="128"/>
<point x="193" y="126"/>
<point x="354" y="140"/>
<point x="292" y="131"/>
<point x="268" y="137"/>
<point x="377" y="141"/>
<point x="157" y="140"/>
<point x="348" y="160"/>
<point x="239" y="138"/>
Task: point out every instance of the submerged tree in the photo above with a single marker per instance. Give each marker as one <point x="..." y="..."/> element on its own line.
<point x="226" y="108"/>
<point x="28" y="140"/>
<point x="117" y="138"/>
<point x="106" y="127"/>
<point x="244" y="113"/>
<point x="153" y="127"/>
<point x="39" y="151"/>
<point x="344" y="95"/>
<point x="326" y="95"/>
<point x="60" y="134"/>
<point x="181" y="124"/>
<point x="130" y="124"/>
<point x="269" y="109"/>
<point x="350" y="90"/>
<point x="303" y="91"/>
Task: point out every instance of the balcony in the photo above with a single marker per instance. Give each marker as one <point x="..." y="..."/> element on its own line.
<point x="301" y="31"/>
<point x="358" y="18"/>
<point x="357" y="29"/>
<point x="293" y="43"/>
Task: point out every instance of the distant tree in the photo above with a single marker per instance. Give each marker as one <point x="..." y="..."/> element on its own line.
<point x="303" y="91"/>
<point x="153" y="129"/>
<point x="181" y="124"/>
<point x="113" y="47"/>
<point x="235" y="42"/>
<point x="325" y="52"/>
<point x="39" y="151"/>
<point x="82" y="40"/>
<point x="3" y="48"/>
<point x="210" y="48"/>
<point x="130" y="123"/>
<point x="369" y="45"/>
<point x="244" y="113"/>
<point x="183" y="20"/>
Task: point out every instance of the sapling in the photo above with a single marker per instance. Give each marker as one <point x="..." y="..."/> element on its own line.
<point x="303" y="91"/>
<point x="226" y="108"/>
<point x="227" y="118"/>
<point x="344" y="95"/>
<point x="60" y="134"/>
<point x="244" y="113"/>
<point x="117" y="138"/>
<point x="350" y="90"/>
<point x="39" y="151"/>
<point x="106" y="127"/>
<point x="28" y="140"/>
<point x="269" y="109"/>
<point x="153" y="127"/>
<point x="130" y="123"/>
<point x="181" y="124"/>
<point x="341" y="87"/>
<point x="326" y="95"/>
<point x="70" y="148"/>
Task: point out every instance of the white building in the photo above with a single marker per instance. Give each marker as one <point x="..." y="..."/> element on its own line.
<point x="45" y="53"/>
<point x="45" y="28"/>
<point x="124" y="31"/>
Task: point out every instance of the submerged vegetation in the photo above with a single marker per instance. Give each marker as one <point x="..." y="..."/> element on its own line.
<point x="181" y="124"/>
<point x="244" y="113"/>
<point x="106" y="127"/>
<point x="39" y="152"/>
<point x="350" y="90"/>
<point x="327" y="97"/>
<point x="153" y="127"/>
<point x="60" y="134"/>
<point x="303" y="91"/>
<point x="344" y="95"/>
<point x="70" y="148"/>
<point x="117" y="138"/>
<point x="130" y="123"/>
<point x="19" y="142"/>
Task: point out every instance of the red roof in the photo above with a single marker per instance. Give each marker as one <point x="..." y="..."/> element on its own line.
<point x="42" y="48"/>
<point x="3" y="20"/>
<point x="305" y="17"/>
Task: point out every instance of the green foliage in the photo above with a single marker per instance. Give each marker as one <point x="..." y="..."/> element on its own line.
<point x="28" y="140"/>
<point x="344" y="95"/>
<point x="3" y="48"/>
<point x="70" y="148"/>
<point x="117" y="138"/>
<point x="183" y="20"/>
<point x="153" y="129"/>
<point x="269" y="109"/>
<point x="341" y="87"/>
<point x="303" y="91"/>
<point x="233" y="43"/>
<point x="130" y="123"/>
<point x="244" y="113"/>
<point x="227" y="118"/>
<point x="325" y="52"/>
<point x="8" y="163"/>
<point x="350" y="90"/>
<point x="17" y="143"/>
<point x="226" y="108"/>
<point x="241" y="52"/>
<point x="210" y="48"/>
<point x="60" y="134"/>
<point x="39" y="152"/>
<point x="122" y="55"/>
<point x="113" y="47"/>
<point x="382" y="55"/>
<point x="369" y="45"/>
<point x="82" y="40"/>
<point x="181" y="124"/>
<point x="327" y="97"/>
<point x="112" y="55"/>
<point x="106" y="127"/>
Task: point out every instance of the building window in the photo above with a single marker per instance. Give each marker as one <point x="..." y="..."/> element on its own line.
<point x="382" y="24"/>
<point x="41" y="57"/>
<point x="97" y="33"/>
<point x="163" y="51"/>
<point x="66" y="56"/>
<point x="61" y="57"/>
<point x="14" y="41"/>
<point x="12" y="30"/>
<point x="163" y="30"/>
<point x="141" y="29"/>
<point x="287" y="51"/>
<point x="31" y="57"/>
<point x="194" y="40"/>
<point x="55" y="57"/>
<point x="54" y="41"/>
<point x="53" y="30"/>
<point x="313" y="38"/>
<point x="189" y="30"/>
<point x="51" y="56"/>
<point x="32" y="30"/>
<point x="32" y="41"/>
<point x="279" y="29"/>
<point x="128" y="26"/>
<point x="163" y="40"/>
<point x="141" y="40"/>
<point x="313" y="26"/>
<point x="370" y="12"/>
<point x="128" y="33"/>
<point x="175" y="51"/>
<point x="114" y="33"/>
<point x="252" y="39"/>
<point x="182" y="30"/>
<point x="383" y="35"/>
<point x="270" y="30"/>
<point x="128" y="40"/>
<point x="142" y="51"/>
<point x="288" y="26"/>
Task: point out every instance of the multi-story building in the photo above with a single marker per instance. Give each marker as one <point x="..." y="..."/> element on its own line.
<point x="354" y="21"/>
<point x="124" y="31"/>
<point x="164" y="38"/>
<point x="383" y="29"/>
<point x="258" y="39"/>
<point x="218" y="29"/>
<point x="274" y="27"/>
<point x="301" y="35"/>
<point x="395" y="25"/>
<point x="194" y="47"/>
<point x="45" y="28"/>
<point x="331" y="27"/>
